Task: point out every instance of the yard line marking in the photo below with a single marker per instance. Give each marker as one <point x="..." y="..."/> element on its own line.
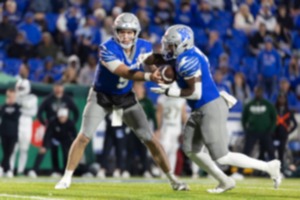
<point x="26" y="197"/>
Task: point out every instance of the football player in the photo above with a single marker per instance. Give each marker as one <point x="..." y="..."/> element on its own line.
<point x="112" y="92"/>
<point x="206" y="127"/>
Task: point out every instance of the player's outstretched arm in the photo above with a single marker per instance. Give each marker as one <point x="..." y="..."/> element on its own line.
<point x="125" y="72"/>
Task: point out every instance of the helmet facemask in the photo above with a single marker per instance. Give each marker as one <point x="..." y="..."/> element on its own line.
<point x="126" y="37"/>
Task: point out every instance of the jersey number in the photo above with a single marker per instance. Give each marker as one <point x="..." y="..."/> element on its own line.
<point x="171" y="112"/>
<point x="123" y="82"/>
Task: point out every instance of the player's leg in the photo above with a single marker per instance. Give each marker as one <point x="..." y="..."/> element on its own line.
<point x="194" y="149"/>
<point x="215" y="138"/>
<point x="24" y="141"/>
<point x="93" y="114"/>
<point x="136" y="119"/>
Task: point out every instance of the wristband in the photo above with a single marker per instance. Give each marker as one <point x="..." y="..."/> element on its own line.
<point x="173" y="92"/>
<point x="147" y="76"/>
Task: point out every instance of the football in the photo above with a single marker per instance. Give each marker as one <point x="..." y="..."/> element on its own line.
<point x="168" y="74"/>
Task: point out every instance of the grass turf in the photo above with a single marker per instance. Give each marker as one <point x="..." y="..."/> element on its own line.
<point x="141" y="189"/>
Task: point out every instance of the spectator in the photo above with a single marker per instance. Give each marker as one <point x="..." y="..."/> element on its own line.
<point x="219" y="80"/>
<point x="115" y="12"/>
<point x="47" y="74"/>
<point x="257" y="39"/>
<point x="71" y="72"/>
<point x="253" y="7"/>
<point x="163" y="13"/>
<point x="184" y="14"/>
<point x="87" y="73"/>
<point x="214" y="48"/>
<point x="10" y="114"/>
<point x="217" y="4"/>
<point x="240" y="89"/>
<point x="40" y="20"/>
<point x="40" y="6"/>
<point x="67" y="24"/>
<point x="286" y="124"/>
<point x="107" y="30"/>
<point x="204" y="15"/>
<point x="142" y="5"/>
<point x="88" y="38"/>
<point x="48" y="48"/>
<point x="100" y="15"/>
<point x="144" y="20"/>
<point x="266" y="16"/>
<point x="284" y="19"/>
<point x="61" y="130"/>
<point x="10" y="7"/>
<point x="52" y="103"/>
<point x="296" y="40"/>
<point x="31" y="29"/>
<point x="259" y="122"/>
<point x="292" y="71"/>
<point x="20" y="48"/>
<point x="284" y="88"/>
<point x="8" y="31"/>
<point x="283" y="41"/>
<point x="244" y="20"/>
<point x="269" y="66"/>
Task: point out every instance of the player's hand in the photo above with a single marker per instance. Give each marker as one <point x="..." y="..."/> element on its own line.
<point x="161" y="89"/>
<point x="42" y="150"/>
<point x="156" y="76"/>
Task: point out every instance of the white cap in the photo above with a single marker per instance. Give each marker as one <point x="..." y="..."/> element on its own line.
<point x="62" y="112"/>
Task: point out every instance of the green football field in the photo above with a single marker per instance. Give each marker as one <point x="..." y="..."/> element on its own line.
<point x="143" y="189"/>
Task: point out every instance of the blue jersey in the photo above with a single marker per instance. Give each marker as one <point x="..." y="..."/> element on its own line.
<point x="192" y="63"/>
<point x="107" y="82"/>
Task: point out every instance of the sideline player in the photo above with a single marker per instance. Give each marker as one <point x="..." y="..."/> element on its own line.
<point x="171" y="114"/>
<point x="206" y="126"/>
<point x="29" y="107"/>
<point x="112" y="92"/>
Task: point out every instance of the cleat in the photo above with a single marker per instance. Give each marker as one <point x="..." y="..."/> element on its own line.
<point x="274" y="172"/>
<point x="180" y="186"/>
<point x="101" y="174"/>
<point x="32" y="174"/>
<point x="221" y="188"/>
<point x="63" y="184"/>
<point x="237" y="176"/>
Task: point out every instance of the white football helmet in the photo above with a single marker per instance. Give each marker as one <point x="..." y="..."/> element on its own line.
<point x="176" y="40"/>
<point x="126" y="21"/>
<point x="22" y="87"/>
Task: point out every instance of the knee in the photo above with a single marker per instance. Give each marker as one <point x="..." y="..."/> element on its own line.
<point x="145" y="135"/>
<point x="224" y="160"/>
<point x="82" y="139"/>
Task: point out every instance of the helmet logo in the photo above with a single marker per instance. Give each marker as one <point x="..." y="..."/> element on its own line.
<point x="184" y="33"/>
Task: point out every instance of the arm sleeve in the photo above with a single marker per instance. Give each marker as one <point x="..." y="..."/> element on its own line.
<point x="109" y="59"/>
<point x="189" y="67"/>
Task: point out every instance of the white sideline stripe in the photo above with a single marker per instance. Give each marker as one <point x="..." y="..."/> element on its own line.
<point x="26" y="197"/>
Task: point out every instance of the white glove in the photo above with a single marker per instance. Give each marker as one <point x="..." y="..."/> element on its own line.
<point x="161" y="89"/>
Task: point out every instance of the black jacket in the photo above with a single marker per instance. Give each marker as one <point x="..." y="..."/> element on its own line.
<point x="10" y="115"/>
<point x="64" y="133"/>
<point x="51" y="104"/>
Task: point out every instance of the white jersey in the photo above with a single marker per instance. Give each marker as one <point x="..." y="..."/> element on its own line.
<point x="172" y="112"/>
<point x="29" y="107"/>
